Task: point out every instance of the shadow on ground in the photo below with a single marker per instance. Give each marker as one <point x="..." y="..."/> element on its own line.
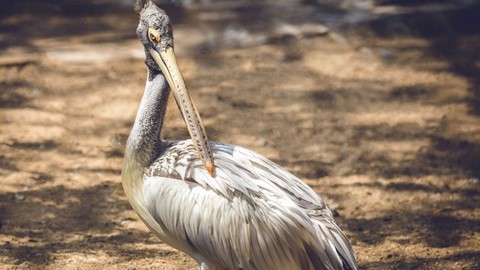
<point x="71" y="220"/>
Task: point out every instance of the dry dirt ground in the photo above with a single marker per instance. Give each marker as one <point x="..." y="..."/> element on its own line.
<point x="386" y="129"/>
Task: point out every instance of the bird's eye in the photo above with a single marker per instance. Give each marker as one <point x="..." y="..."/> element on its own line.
<point x="153" y="35"/>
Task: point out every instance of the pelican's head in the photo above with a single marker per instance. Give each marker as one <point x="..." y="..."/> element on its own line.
<point x="155" y="32"/>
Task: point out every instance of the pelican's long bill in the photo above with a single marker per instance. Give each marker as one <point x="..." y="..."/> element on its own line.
<point x="168" y="64"/>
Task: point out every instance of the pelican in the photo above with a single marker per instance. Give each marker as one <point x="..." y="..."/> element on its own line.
<point x="225" y="206"/>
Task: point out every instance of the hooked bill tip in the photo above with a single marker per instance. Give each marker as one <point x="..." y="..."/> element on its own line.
<point x="210" y="168"/>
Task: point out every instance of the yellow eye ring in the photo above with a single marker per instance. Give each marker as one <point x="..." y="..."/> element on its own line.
<point x="153" y="35"/>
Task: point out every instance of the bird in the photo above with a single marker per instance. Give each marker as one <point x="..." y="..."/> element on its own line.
<point x="225" y="206"/>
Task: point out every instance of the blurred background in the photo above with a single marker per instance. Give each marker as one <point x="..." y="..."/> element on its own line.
<point x="373" y="103"/>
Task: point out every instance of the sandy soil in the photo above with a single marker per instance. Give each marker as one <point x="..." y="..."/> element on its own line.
<point x="386" y="129"/>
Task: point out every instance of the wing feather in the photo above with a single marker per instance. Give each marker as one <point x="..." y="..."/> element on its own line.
<point x="252" y="215"/>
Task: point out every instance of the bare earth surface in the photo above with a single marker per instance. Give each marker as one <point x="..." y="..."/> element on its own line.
<point x="385" y="128"/>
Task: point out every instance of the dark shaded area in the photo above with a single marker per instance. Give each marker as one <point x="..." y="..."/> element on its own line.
<point x="450" y="154"/>
<point x="453" y="36"/>
<point x="413" y="2"/>
<point x="73" y="8"/>
<point x="45" y="145"/>
<point x="429" y="23"/>
<point x="443" y="156"/>
<point x="432" y="225"/>
<point x="239" y="104"/>
<point x="419" y="263"/>
<point x="399" y="132"/>
<point x="463" y="54"/>
<point x="412" y="93"/>
<point x="10" y="97"/>
<point x="310" y="168"/>
<point x="53" y="18"/>
<point x="93" y="212"/>
<point x="7" y="164"/>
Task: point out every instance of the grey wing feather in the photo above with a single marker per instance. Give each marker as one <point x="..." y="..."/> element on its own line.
<point x="253" y="215"/>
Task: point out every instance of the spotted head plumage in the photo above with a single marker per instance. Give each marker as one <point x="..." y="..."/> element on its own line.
<point x="154" y="30"/>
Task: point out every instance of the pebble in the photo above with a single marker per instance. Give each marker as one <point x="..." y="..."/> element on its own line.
<point x="19" y="196"/>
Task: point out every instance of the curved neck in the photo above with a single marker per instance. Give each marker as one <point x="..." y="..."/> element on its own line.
<point x="144" y="141"/>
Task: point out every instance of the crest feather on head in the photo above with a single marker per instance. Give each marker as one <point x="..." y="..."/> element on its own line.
<point x="140" y="4"/>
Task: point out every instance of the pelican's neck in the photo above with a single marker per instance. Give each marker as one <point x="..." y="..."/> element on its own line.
<point x="144" y="145"/>
<point x="144" y="141"/>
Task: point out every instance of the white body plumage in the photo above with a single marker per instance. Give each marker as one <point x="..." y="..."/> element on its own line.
<point x="252" y="215"/>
